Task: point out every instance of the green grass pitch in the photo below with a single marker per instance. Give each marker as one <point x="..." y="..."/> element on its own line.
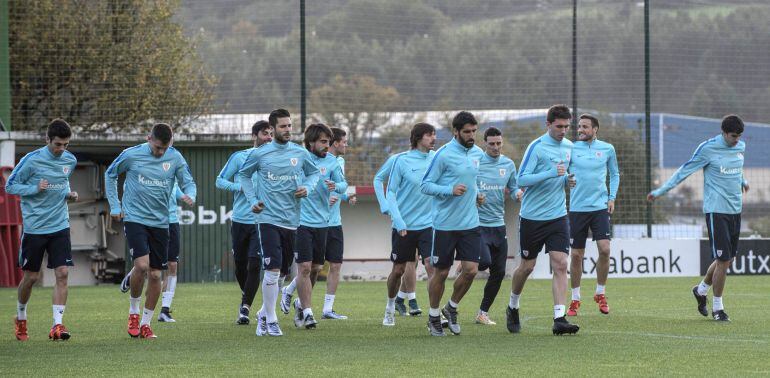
<point x="653" y="329"/>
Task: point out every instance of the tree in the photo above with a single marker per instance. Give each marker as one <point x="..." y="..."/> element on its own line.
<point x="103" y="65"/>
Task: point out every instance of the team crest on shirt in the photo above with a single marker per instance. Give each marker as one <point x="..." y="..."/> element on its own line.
<point x="267" y="261"/>
<point x="740" y="155"/>
<point x="475" y="163"/>
<point x="293" y="162"/>
<point x="65" y="169"/>
<point x="598" y="154"/>
<point x="568" y="155"/>
<point x="323" y="170"/>
<point x="502" y="172"/>
<point x="166" y="166"/>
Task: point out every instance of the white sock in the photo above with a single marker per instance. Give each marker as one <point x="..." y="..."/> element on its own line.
<point x="307" y="312"/>
<point x="482" y="312"/>
<point x="291" y="286"/>
<point x="434" y="312"/>
<point x="165" y="301"/>
<point x="717" y="304"/>
<point x="134" y="305"/>
<point x="146" y="316"/>
<point x="452" y="304"/>
<point x="401" y="294"/>
<point x="328" y="303"/>
<point x="391" y="306"/>
<point x="411" y="295"/>
<point x="703" y="289"/>
<point x="576" y="293"/>
<point x="58" y="313"/>
<point x="599" y="289"/>
<point x="558" y="311"/>
<point x="514" y="301"/>
<point x="270" y="295"/>
<point x="21" y="311"/>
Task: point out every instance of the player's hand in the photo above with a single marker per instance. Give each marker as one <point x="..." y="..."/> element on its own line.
<point x="746" y="188"/>
<point x="72" y="196"/>
<point x="480" y="199"/>
<point x="610" y="206"/>
<point x="561" y="170"/>
<point x="186" y="199"/>
<point x="650" y="197"/>
<point x="258" y="207"/>
<point x="117" y="217"/>
<point x="402" y="233"/>
<point x="520" y="194"/>
<point x="42" y="185"/>
<point x="333" y="200"/>
<point x="330" y="185"/>
<point x="352" y="199"/>
<point x="571" y="180"/>
<point x="301" y="192"/>
<point x="459" y="190"/>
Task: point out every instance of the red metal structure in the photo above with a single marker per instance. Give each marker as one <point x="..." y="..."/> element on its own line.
<point x="10" y="234"/>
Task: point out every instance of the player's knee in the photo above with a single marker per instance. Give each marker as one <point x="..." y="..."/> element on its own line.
<point x="31" y="277"/>
<point x="525" y="269"/>
<point x="154" y="275"/>
<point x="316" y="268"/>
<point x="398" y="269"/>
<point x="172" y="266"/>
<point x="303" y="269"/>
<point x="61" y="273"/>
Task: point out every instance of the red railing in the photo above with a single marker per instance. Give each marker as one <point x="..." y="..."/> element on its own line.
<point x="10" y="234"/>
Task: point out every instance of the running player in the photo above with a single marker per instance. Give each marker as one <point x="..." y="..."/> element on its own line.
<point x="246" y="254"/>
<point x="543" y="174"/>
<point x="451" y="180"/>
<point x="151" y="170"/>
<point x="41" y="179"/>
<point x="410" y="211"/>
<point x="721" y="159"/>
<point x="283" y="172"/>
<point x="497" y="174"/>
<point x="590" y="207"/>
<point x="310" y="245"/>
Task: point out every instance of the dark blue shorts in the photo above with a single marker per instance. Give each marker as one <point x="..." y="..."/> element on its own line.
<point x="276" y="244"/>
<point x="493" y="241"/>
<point x="245" y="241"/>
<point x="533" y="235"/>
<point x="415" y="242"/>
<point x="335" y="244"/>
<point x="145" y="240"/>
<point x="310" y="245"/>
<point x="173" y="242"/>
<point x="724" y="232"/>
<point x="448" y="246"/>
<point x="56" y="244"/>
<point x="580" y="222"/>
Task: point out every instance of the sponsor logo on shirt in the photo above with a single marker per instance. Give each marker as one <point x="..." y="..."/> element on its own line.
<point x="484" y="186"/>
<point x="61" y="186"/>
<point x="153" y="182"/>
<point x="730" y="171"/>
<point x="273" y="177"/>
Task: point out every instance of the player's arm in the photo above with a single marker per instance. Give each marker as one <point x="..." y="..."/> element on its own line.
<point x="612" y="166"/>
<point x="696" y="162"/>
<point x="379" y="183"/>
<point x="429" y="184"/>
<point x="226" y="179"/>
<point x="250" y="165"/>
<point x="187" y="184"/>
<point x="527" y="176"/>
<point x="340" y="184"/>
<point x="394" y="182"/>
<point x="512" y="185"/>
<point x="18" y="182"/>
<point x="119" y="166"/>
<point x="312" y="174"/>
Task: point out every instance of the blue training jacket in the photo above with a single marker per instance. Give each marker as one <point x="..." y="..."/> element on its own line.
<point x="590" y="163"/>
<point x="544" y="197"/>
<point x="495" y="176"/>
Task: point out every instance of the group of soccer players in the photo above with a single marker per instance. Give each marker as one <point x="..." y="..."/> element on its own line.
<point x="445" y="205"/>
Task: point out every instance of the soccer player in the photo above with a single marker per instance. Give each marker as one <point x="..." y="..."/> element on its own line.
<point x="151" y="170"/>
<point x="314" y="221"/>
<point x="283" y="172"/>
<point x="590" y="207"/>
<point x="335" y="241"/>
<point x="41" y="179"/>
<point x="543" y="216"/>
<point x="721" y="159"/>
<point x="246" y="254"/>
<point x="451" y="181"/>
<point x="497" y="173"/>
<point x="410" y="210"/>
<point x="409" y="278"/>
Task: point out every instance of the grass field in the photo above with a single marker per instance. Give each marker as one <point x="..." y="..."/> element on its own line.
<point x="653" y="329"/>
